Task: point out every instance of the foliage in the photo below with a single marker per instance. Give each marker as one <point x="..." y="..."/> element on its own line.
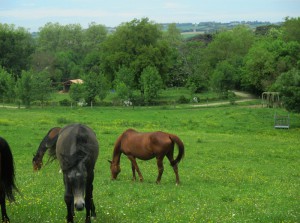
<point x="151" y="84"/>
<point x="289" y="86"/>
<point x="233" y="58"/>
<point x="24" y="88"/>
<point x="76" y="92"/>
<point x="135" y="45"/>
<point x="16" y="46"/>
<point x="7" y="84"/>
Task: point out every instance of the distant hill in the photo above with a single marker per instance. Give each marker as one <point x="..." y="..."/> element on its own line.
<point x="212" y="27"/>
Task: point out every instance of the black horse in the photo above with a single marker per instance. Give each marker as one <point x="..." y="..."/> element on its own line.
<point x="7" y="177"/>
<point x="77" y="152"/>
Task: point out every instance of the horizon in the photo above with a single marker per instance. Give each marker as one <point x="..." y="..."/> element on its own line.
<point x="34" y="14"/>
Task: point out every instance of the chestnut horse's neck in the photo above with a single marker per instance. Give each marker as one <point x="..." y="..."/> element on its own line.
<point x="117" y="151"/>
<point x="43" y="145"/>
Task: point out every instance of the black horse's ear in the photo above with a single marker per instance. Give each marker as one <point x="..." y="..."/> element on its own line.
<point x="109" y="161"/>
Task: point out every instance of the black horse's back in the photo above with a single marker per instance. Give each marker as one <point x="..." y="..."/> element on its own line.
<point x="7" y="170"/>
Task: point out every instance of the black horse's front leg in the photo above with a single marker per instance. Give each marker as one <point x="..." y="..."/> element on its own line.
<point x="69" y="200"/>
<point x="3" y="209"/>
<point x="70" y="208"/>
<point x="90" y="207"/>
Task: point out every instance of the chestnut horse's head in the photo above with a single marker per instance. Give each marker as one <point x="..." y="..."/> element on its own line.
<point x="37" y="163"/>
<point x="115" y="170"/>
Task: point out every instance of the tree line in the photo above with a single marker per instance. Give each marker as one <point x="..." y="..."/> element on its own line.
<point x="139" y="59"/>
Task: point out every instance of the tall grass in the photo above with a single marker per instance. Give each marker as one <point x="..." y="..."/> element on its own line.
<point x="237" y="167"/>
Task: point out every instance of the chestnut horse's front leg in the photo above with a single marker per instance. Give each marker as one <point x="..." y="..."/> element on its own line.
<point x="134" y="164"/>
<point x="133" y="172"/>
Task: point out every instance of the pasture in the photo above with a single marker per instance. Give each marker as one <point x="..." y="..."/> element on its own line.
<point x="237" y="167"/>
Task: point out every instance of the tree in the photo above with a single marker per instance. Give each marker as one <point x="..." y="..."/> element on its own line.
<point x="95" y="85"/>
<point x="136" y="45"/>
<point x="16" y="46"/>
<point x="76" y="92"/>
<point x="124" y="83"/>
<point x="24" y="88"/>
<point x="291" y="29"/>
<point x="223" y="77"/>
<point x="41" y="87"/>
<point x="288" y="84"/>
<point x="7" y="84"/>
<point x="151" y="83"/>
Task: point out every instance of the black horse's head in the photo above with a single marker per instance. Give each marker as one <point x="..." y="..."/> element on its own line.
<point x="75" y="180"/>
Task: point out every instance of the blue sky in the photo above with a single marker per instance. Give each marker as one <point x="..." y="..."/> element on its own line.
<point x="32" y="14"/>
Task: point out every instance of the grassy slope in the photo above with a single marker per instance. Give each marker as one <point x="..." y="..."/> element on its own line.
<point x="237" y="168"/>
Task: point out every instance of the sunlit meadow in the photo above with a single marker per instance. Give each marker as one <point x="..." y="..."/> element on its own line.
<point x="237" y="167"/>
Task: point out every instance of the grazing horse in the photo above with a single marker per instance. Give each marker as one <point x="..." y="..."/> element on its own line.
<point x="7" y="177"/>
<point x="48" y="141"/>
<point x="77" y="151"/>
<point x="146" y="146"/>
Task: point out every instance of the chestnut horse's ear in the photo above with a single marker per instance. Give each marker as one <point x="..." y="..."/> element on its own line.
<point x="109" y="161"/>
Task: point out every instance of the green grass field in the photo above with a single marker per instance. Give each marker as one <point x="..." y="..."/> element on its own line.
<point x="237" y="167"/>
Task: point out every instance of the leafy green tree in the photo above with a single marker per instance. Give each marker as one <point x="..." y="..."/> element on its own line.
<point x="195" y="68"/>
<point x="124" y="83"/>
<point x="95" y="85"/>
<point x="103" y="85"/>
<point x="41" y="87"/>
<point x="223" y="77"/>
<point x="136" y="45"/>
<point x="76" y="92"/>
<point x="266" y="60"/>
<point x="24" y="88"/>
<point x="7" y="84"/>
<point x="151" y="83"/>
<point x="16" y="46"/>
<point x="288" y="84"/>
<point x="291" y="29"/>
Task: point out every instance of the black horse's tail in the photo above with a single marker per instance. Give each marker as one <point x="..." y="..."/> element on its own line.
<point x="7" y="170"/>
<point x="175" y="139"/>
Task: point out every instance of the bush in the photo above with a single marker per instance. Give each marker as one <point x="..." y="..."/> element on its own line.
<point x="65" y="102"/>
<point x="183" y="100"/>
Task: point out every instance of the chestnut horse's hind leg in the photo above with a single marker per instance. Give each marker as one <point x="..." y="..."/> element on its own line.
<point x="160" y="167"/>
<point x="175" y="167"/>
<point x="134" y="164"/>
<point x="3" y="209"/>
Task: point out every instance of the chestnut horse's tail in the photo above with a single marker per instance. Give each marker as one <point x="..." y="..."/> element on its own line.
<point x="7" y="170"/>
<point x="175" y="139"/>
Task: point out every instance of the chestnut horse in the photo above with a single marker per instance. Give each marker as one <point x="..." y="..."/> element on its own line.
<point x="7" y="177"/>
<point x="48" y="141"/>
<point x="146" y="146"/>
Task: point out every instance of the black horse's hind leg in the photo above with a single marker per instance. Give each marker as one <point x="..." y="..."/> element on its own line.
<point x="160" y="167"/>
<point x="3" y="209"/>
<point x="89" y="203"/>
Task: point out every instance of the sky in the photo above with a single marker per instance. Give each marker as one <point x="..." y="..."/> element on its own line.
<point x="34" y="14"/>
